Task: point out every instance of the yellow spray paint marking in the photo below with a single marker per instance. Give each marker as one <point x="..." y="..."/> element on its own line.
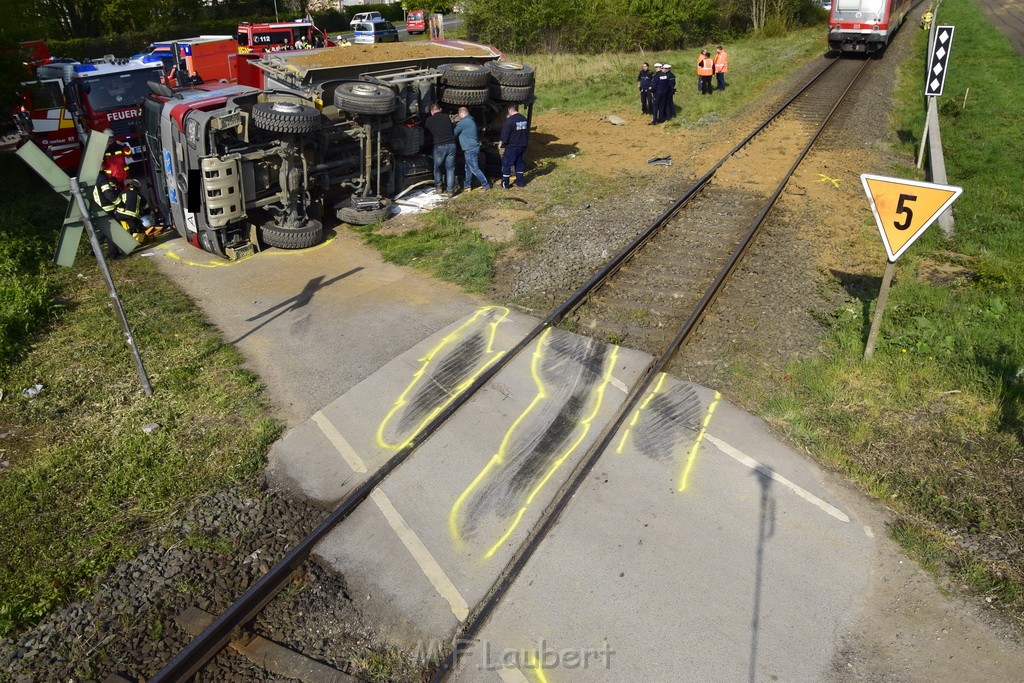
<point x="692" y="457"/>
<point x="636" y="415"/>
<point x="425" y="362"/>
<point x="220" y="264"/>
<point x="822" y="178"/>
<point x="538" y="669"/>
<point x="500" y="456"/>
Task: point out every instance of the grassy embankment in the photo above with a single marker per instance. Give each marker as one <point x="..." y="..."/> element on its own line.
<point x="933" y="425"/>
<point x="448" y="247"/>
<point x="81" y="483"/>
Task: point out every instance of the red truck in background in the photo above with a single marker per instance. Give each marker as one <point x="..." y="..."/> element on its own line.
<point x="279" y="35"/>
<point x="69" y="99"/>
<point x="416" y="21"/>
<point x="213" y="58"/>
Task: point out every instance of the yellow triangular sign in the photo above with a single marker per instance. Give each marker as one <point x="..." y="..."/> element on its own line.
<point x="905" y="208"/>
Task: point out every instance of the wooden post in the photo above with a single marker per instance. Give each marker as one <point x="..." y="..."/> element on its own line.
<point x="883" y="297"/>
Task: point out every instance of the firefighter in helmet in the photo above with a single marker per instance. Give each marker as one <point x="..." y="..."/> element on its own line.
<point x="132" y="210"/>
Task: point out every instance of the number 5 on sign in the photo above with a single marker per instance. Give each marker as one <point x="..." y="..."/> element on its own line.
<point x="904" y="209"/>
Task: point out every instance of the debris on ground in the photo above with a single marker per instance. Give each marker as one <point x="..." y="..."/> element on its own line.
<point x="614" y="120"/>
<point x="32" y="391"/>
<point x="664" y="160"/>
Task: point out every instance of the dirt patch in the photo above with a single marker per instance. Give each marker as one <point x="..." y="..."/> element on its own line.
<point x="498" y="225"/>
<point x="381" y="52"/>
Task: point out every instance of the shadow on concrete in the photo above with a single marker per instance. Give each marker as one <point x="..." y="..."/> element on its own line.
<point x="294" y="303"/>
<point x="766" y="529"/>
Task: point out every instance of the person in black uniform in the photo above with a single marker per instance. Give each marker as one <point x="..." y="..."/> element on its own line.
<point x="442" y="132"/>
<point x="643" y="84"/>
<point x="514" y="134"/>
<point x="670" y="103"/>
<point x="661" y="92"/>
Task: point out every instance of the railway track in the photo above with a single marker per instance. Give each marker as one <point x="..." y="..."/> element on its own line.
<point x="651" y="294"/>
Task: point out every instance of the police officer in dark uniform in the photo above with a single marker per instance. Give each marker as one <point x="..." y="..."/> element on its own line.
<point x="670" y="104"/>
<point x="514" y="134"/>
<point x="643" y="84"/>
<point x="661" y="93"/>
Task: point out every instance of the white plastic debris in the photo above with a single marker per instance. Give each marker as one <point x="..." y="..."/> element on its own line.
<point x="32" y="391"/>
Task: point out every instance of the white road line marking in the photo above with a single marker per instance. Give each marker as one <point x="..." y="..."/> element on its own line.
<point x="343" y="447"/>
<point x="755" y="465"/>
<point x="431" y="569"/>
<point x="511" y="674"/>
<point x="618" y="384"/>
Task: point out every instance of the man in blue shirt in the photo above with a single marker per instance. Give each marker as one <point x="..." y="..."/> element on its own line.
<point x="513" y="146"/>
<point x="469" y="140"/>
<point x="439" y="125"/>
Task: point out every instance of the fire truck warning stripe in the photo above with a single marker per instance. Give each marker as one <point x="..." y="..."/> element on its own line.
<point x="339" y="442"/>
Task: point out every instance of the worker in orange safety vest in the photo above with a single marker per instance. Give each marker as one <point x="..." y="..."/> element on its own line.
<point x="721" y="66"/>
<point x="705" y="69"/>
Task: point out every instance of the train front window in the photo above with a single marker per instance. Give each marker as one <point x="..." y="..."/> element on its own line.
<point x="867" y="8"/>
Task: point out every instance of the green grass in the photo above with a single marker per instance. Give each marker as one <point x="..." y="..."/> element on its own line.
<point x="85" y="484"/>
<point x="934" y="424"/>
<point x="607" y="83"/>
<point x="444" y="247"/>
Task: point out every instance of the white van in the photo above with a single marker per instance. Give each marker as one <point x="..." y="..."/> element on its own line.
<point x="364" y="16"/>
<point x="379" y="31"/>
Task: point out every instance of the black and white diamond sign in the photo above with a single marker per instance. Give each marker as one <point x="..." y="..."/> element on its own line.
<point x="938" y="61"/>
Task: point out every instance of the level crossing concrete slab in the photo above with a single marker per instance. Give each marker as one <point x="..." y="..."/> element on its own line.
<point x="699" y="549"/>
<point x="470" y="493"/>
<point x="313" y="322"/>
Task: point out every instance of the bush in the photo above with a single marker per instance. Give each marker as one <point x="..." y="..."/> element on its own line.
<point x="27" y="289"/>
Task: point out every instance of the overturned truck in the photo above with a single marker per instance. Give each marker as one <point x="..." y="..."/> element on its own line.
<point x="325" y="133"/>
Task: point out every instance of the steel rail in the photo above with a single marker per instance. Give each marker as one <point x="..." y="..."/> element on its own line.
<point x="549" y="517"/>
<point x="194" y="656"/>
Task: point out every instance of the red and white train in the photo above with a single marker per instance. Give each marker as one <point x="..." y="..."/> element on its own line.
<point x="865" y="26"/>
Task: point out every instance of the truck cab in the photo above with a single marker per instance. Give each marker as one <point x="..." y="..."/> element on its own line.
<point x="103" y="96"/>
<point x="279" y="35"/>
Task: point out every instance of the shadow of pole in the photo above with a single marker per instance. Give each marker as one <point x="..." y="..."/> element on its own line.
<point x="766" y="529"/>
<point x="294" y="303"/>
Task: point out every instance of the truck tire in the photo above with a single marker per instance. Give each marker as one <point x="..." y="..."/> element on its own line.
<point x="364" y="98"/>
<point x="511" y="93"/>
<point x="465" y="95"/>
<point x="406" y="141"/>
<point x="285" y="117"/>
<point x="510" y="73"/>
<point x="309" y="235"/>
<point x="464" y="75"/>
<point x="354" y="216"/>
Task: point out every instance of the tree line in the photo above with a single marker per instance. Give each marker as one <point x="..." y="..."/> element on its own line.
<point x="591" y="26"/>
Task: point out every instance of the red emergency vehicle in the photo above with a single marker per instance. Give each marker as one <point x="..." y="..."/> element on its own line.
<point x="213" y="58"/>
<point x="416" y="21"/>
<point x="285" y="34"/>
<point x="69" y="99"/>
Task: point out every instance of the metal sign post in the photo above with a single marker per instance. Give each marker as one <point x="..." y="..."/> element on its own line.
<point x="935" y="78"/>
<point x="79" y="219"/>
<point x="97" y="250"/>
<point x="903" y="210"/>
